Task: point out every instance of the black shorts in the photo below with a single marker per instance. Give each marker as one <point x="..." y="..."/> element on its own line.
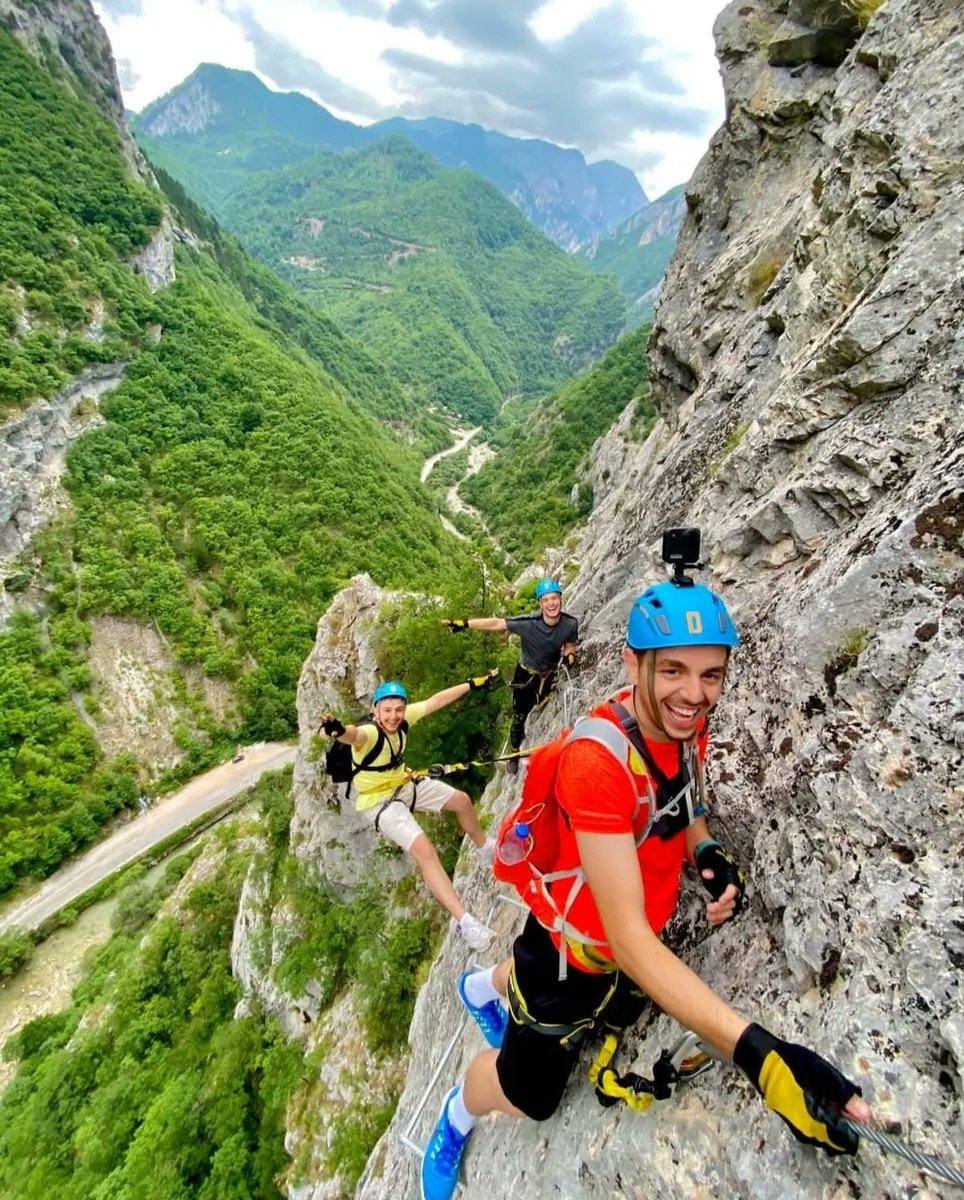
<point x="533" y="1066"/>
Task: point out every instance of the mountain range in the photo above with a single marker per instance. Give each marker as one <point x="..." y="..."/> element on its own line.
<point x="232" y="118"/>
<point x="638" y="251"/>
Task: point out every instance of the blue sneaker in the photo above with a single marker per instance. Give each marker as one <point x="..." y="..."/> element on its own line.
<point x="491" y="1018"/>
<point x="442" y="1157"/>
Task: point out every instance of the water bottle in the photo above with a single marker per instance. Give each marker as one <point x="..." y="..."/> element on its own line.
<point x="516" y="844"/>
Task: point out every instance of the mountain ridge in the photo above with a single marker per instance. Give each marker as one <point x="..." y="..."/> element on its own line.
<point x="568" y="198"/>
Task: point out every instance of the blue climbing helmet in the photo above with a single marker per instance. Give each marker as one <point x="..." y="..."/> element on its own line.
<point x="391" y="687"/>
<point x="667" y="614"/>
<point x="545" y="586"/>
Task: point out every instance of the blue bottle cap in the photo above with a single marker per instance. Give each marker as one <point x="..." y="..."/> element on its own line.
<point x="521" y="829"/>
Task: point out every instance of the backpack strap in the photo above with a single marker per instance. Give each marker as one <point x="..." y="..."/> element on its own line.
<point x="396" y="757"/>
<point x="630" y="726"/>
<point x="668" y="816"/>
<point x="614" y="739"/>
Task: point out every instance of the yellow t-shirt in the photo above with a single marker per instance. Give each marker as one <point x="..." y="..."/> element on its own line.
<point x="372" y="787"/>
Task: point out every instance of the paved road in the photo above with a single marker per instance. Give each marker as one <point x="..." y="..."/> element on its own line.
<point x="147" y="829"/>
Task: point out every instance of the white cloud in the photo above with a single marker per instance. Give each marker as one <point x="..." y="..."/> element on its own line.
<point x="529" y="69"/>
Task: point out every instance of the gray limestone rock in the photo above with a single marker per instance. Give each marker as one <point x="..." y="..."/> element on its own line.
<point x="807" y="362"/>
<point x="339" y="676"/>
<point x="32" y="447"/>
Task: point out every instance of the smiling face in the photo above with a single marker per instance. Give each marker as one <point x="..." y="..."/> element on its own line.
<point x="550" y="605"/>
<point x="672" y="698"/>
<point x="390" y="713"/>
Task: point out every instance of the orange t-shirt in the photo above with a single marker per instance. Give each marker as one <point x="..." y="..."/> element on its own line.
<point x="594" y="792"/>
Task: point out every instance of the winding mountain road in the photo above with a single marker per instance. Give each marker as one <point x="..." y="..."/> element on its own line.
<point x="204" y="793"/>
<point x="462" y="438"/>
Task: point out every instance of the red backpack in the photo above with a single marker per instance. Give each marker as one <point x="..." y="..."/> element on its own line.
<point x="538" y="808"/>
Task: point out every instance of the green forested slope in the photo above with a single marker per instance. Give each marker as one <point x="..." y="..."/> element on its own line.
<point x="525" y="492"/>
<point x="432" y="268"/>
<point x="70" y="213"/>
<point x="232" y="493"/>
<point x="219" y="124"/>
<point x="146" y="1085"/>
<point x="238" y="482"/>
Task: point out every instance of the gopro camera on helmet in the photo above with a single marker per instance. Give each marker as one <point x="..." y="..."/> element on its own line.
<point x="681" y="548"/>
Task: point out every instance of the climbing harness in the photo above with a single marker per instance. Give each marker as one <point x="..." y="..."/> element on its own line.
<point x="569" y="1033"/>
<point x="685" y="1060"/>
<point x="396" y="798"/>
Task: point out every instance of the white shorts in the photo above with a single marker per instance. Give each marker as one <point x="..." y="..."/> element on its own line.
<point x="395" y="819"/>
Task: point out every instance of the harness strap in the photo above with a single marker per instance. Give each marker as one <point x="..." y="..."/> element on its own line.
<point x="395" y="798"/>
<point x="568" y="1033"/>
<point x="536" y="671"/>
<point x="395" y="759"/>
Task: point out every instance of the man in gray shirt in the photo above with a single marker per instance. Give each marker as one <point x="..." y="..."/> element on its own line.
<point x="548" y="637"/>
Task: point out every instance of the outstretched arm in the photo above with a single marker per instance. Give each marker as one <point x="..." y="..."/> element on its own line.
<point x="487" y="624"/>
<point x="612" y="872"/>
<point x="476" y="683"/>
<point x="790" y="1078"/>
<point x="444" y="697"/>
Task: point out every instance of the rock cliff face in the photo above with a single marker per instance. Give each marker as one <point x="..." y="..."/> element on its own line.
<point x="806" y="361"/>
<point x="71" y="43"/>
<point x="32" y="447"/>
<point x="340" y="674"/>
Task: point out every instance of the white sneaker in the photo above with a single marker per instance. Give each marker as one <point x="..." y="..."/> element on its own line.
<point x="477" y="935"/>
<point x="486" y="852"/>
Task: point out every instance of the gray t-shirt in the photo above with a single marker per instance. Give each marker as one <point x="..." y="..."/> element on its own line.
<point x="541" y="643"/>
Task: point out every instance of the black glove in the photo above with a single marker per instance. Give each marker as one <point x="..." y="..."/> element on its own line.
<point x="801" y="1087"/>
<point x="569" y="659"/>
<point x="710" y="856"/>
<point x="483" y="681"/>
<point x="459" y="625"/>
<point x="332" y="727"/>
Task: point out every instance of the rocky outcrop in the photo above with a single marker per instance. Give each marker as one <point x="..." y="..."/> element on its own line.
<point x="190" y="110"/>
<point x="806" y="361"/>
<point x="156" y="261"/>
<point x="339" y="675"/>
<point x="70" y="42"/>
<point x="32" y="448"/>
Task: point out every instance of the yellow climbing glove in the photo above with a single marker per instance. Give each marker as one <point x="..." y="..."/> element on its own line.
<point x="801" y="1087"/>
<point x="477" y="682"/>
<point x="459" y="625"/>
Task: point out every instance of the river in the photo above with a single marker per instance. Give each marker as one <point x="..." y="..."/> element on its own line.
<point x="56" y="966"/>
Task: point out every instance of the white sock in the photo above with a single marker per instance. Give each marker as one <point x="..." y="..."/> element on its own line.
<point x="459" y="1115"/>
<point x="479" y="988"/>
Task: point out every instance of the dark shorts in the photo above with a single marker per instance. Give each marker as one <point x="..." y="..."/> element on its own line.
<point x="533" y="1066"/>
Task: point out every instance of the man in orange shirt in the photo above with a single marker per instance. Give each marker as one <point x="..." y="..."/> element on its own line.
<point x="630" y="823"/>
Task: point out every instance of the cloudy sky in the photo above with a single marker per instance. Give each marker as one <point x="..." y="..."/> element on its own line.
<point x="632" y="80"/>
